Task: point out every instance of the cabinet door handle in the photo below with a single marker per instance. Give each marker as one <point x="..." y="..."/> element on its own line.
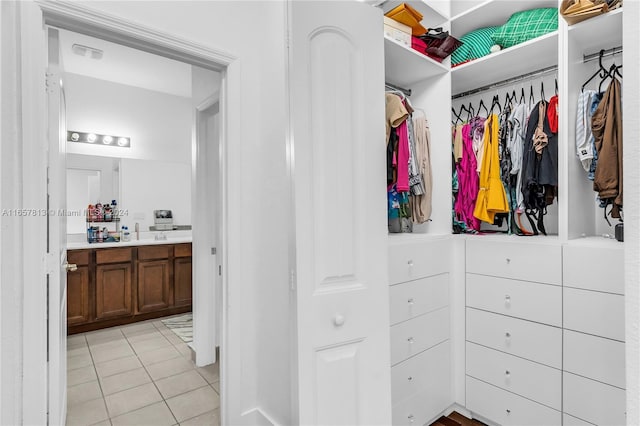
<point x="409" y="378"/>
<point x="508" y="260"/>
<point x="410" y="263"/>
<point x="410" y="301"/>
<point x="410" y="417"/>
<point x="507" y="373"/>
<point x="507" y="300"/>
<point x="410" y="340"/>
<point x="507" y="335"/>
<point x="508" y="411"/>
<point x="70" y="267"/>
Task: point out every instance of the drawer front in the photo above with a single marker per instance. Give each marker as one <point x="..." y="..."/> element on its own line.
<point x="506" y="408"/>
<point x="425" y="370"/>
<point x="153" y="252"/>
<point x="79" y="257"/>
<point x="592" y="312"/>
<point x="579" y="270"/>
<point x="593" y="401"/>
<point x="413" y="260"/>
<point x="568" y="420"/>
<point x="520" y="261"/>
<point x="536" y="342"/>
<point x="522" y="299"/>
<point x="182" y="250"/>
<point x="414" y="336"/>
<point x="526" y="378"/>
<point x="429" y="403"/>
<point x="414" y="298"/>
<point x="114" y="255"/>
<point x="594" y="357"/>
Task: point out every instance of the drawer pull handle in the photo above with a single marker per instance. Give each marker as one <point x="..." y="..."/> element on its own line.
<point x="410" y="340"/>
<point x="508" y="411"/>
<point x="338" y="320"/>
<point x="410" y="417"/>
<point x="508" y="260"/>
<point x="507" y="335"/>
<point x="410" y="301"/>
<point x="507" y="373"/>
<point x="410" y="263"/>
<point x="507" y="300"/>
<point x="409" y="378"/>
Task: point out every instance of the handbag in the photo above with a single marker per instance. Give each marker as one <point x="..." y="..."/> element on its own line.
<point x="439" y="43"/>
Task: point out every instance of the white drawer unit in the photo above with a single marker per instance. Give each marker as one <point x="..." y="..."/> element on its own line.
<point x="522" y="299"/>
<point x="418" y="334"/>
<point x="522" y="261"/>
<point x="594" y="268"/>
<point x="428" y="369"/>
<point x="506" y="408"/>
<point x="593" y="401"/>
<point x="568" y="420"/>
<point x="537" y="342"/>
<point x="526" y="378"/>
<point x="414" y="298"/>
<point x="594" y="357"/>
<point x="412" y="260"/>
<point x="592" y="312"/>
<point x="424" y="407"/>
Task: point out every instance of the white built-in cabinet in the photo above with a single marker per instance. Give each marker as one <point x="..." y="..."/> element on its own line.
<point x="510" y="330"/>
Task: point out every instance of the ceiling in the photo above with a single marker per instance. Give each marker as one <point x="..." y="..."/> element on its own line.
<point x="124" y="65"/>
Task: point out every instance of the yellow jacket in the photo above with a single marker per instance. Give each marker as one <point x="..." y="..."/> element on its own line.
<point x="492" y="198"/>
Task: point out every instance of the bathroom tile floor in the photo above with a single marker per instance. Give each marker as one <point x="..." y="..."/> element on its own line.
<point x="138" y="374"/>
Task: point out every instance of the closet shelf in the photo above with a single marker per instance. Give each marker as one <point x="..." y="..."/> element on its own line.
<point x="434" y="13"/>
<point x="404" y="66"/>
<point x="492" y="13"/>
<point x="516" y="60"/>
<point x="601" y="32"/>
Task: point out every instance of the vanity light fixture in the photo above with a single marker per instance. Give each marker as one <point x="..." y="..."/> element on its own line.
<point x="97" y="139"/>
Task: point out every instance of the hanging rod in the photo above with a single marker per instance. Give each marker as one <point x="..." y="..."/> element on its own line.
<point x="407" y="92"/>
<point x="506" y="82"/>
<point x="607" y="52"/>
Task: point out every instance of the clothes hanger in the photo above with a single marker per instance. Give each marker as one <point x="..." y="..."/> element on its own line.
<point x="396" y="92"/>
<point x="471" y="112"/>
<point x="457" y="116"/>
<point x="483" y="106"/>
<point x="522" y="97"/>
<point x="601" y="71"/>
<point x="542" y="96"/>
<point x="555" y="83"/>
<point x="532" y="99"/>
<point x="496" y="103"/>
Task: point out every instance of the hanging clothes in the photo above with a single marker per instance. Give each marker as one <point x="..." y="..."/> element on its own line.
<point x="396" y="112"/>
<point x="595" y="102"/>
<point x="467" y="182"/>
<point x="421" y="203"/>
<point x="457" y="142"/>
<point x="607" y="130"/>
<point x="584" y="134"/>
<point x="477" y="134"/>
<point x="491" y="198"/>
<point x="518" y="121"/>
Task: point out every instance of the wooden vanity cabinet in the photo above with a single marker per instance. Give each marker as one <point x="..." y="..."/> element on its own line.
<point x="115" y="286"/>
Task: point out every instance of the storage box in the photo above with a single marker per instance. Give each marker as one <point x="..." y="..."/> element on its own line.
<point x="397" y="31"/>
<point x="407" y="15"/>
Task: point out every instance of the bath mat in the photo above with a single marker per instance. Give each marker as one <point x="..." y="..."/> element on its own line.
<point x="182" y="326"/>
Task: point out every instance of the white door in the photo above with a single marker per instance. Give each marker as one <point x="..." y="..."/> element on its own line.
<point x="336" y="72"/>
<point x="206" y="214"/>
<point x="57" y="237"/>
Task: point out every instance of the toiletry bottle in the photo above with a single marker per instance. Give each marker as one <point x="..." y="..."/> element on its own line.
<point x="127" y="235"/>
<point x="108" y="213"/>
<point x="114" y="209"/>
<point x="99" y="212"/>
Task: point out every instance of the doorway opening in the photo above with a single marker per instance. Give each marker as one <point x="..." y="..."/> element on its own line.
<point x="128" y="354"/>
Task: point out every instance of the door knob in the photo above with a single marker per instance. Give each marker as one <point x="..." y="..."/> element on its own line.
<point x="70" y="267"/>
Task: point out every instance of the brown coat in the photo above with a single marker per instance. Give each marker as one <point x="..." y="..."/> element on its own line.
<point x="606" y="124"/>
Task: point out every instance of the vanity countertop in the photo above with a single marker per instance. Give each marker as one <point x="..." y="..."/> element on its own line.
<point x="77" y="245"/>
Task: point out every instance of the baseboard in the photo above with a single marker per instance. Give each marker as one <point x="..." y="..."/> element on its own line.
<point x="258" y="417"/>
<point x="460" y="409"/>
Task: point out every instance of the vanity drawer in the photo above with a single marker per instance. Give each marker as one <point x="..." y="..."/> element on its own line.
<point x="414" y="336"/>
<point x="79" y="257"/>
<point x="592" y="312"/>
<point x="594" y="268"/>
<point x="521" y="261"/>
<point x="526" y="378"/>
<point x="593" y="401"/>
<point x="412" y="260"/>
<point x="414" y="298"/>
<point x="182" y="250"/>
<point x="115" y="255"/>
<point x="506" y="408"/>
<point x="594" y="357"/>
<point x="429" y="369"/>
<point x="522" y="299"/>
<point x="153" y="252"/>
<point x="526" y="339"/>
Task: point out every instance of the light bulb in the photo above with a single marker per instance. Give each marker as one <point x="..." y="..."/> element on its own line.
<point x="91" y="137"/>
<point x="107" y="140"/>
<point x="75" y="137"/>
<point x="123" y="141"/>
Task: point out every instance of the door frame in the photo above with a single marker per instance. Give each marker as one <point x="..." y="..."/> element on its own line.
<point x="35" y="18"/>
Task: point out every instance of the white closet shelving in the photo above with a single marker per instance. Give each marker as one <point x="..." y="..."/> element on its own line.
<point x="404" y="66"/>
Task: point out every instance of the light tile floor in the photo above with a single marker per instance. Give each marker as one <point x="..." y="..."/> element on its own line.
<point x="139" y="374"/>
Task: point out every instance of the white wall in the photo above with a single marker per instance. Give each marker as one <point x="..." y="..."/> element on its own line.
<point x="158" y="124"/>
<point x="253" y="32"/>
<point x="154" y="185"/>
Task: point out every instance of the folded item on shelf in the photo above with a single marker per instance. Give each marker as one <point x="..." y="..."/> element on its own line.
<point x="475" y="44"/>
<point x="439" y="43"/>
<point x="526" y="25"/>
<point x="407" y="15"/>
<point x="574" y="11"/>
